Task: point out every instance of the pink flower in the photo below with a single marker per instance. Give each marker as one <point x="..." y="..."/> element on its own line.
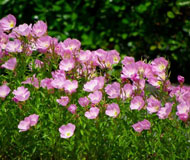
<point x="183" y="111"/>
<point x="71" y="44"/>
<point x="43" y="43"/>
<point x="24" y="125"/>
<point x="180" y="79"/>
<point x="141" y="125"/>
<point x="14" y="46"/>
<point x="93" y="60"/>
<point x="153" y="105"/>
<point x="113" y="90"/>
<point x="23" y="29"/>
<point x="165" y="111"/>
<point x="176" y="91"/>
<point x="137" y="103"/>
<point x="29" y="121"/>
<point x="154" y="82"/>
<point x="32" y="47"/>
<point x="54" y="42"/>
<point x="137" y="127"/>
<point x="139" y="83"/>
<point x="83" y="101"/>
<point x="141" y="67"/>
<point x="181" y="93"/>
<point x="159" y="65"/>
<point x="95" y="97"/>
<point x="92" y="113"/>
<point x="95" y="84"/>
<point x="38" y="64"/>
<point x="1" y="53"/>
<point x="67" y="131"/>
<point x="72" y="108"/>
<point x="58" y="83"/>
<point x="108" y="62"/>
<point x="33" y="119"/>
<point x="126" y="91"/>
<point x="145" y="124"/>
<point x="147" y="71"/>
<point x="64" y="100"/>
<point x="67" y="64"/>
<point x="91" y="86"/>
<point x="3" y="40"/>
<point x="100" y="80"/>
<point x="59" y="49"/>
<point x="8" y="22"/>
<point x="130" y="70"/>
<point x="115" y="56"/>
<point x="32" y="80"/>
<point x="70" y="86"/>
<point x="39" y="28"/>
<point x="59" y="74"/>
<point x="21" y="94"/>
<point x="161" y="76"/>
<point x="127" y="60"/>
<point x="105" y="59"/>
<point x="4" y="91"/>
<point x="46" y="83"/>
<point x="100" y="55"/>
<point x="13" y="35"/>
<point x="112" y="110"/>
<point x="185" y="97"/>
<point x="84" y="56"/>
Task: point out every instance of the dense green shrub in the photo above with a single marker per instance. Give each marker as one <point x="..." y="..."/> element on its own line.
<point x="137" y="28"/>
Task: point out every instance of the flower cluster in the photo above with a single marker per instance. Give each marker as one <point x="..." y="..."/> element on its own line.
<point x="28" y="122"/>
<point x="87" y="74"/>
<point x="141" y="125"/>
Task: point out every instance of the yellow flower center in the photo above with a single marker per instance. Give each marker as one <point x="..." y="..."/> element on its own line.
<point x="115" y="59"/>
<point x="139" y="104"/>
<point x="68" y="134"/>
<point x="11" y="24"/>
<point x="127" y="94"/>
<point x="46" y="45"/>
<point x="161" y="67"/>
<point x="159" y="83"/>
<point x="157" y="108"/>
<point x="163" y="76"/>
<point x="108" y="64"/>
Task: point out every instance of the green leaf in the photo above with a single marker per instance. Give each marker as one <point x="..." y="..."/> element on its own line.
<point x="67" y="8"/>
<point x="74" y="16"/>
<point x="153" y="47"/>
<point x="183" y="3"/>
<point x="143" y="7"/>
<point x="174" y="56"/>
<point x="124" y="35"/>
<point x="170" y="14"/>
<point x="3" y="2"/>
<point x="125" y="21"/>
<point x="116" y="8"/>
<point x="56" y="8"/>
<point x="111" y="39"/>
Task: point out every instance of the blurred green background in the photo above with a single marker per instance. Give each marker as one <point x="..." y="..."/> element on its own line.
<point x="143" y="29"/>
